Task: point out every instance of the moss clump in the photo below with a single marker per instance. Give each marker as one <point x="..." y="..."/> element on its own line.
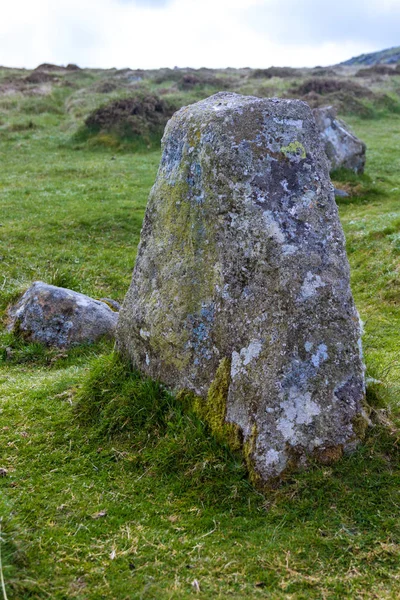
<point x="248" y="449"/>
<point x="118" y="398"/>
<point x="360" y="426"/>
<point x="329" y="455"/>
<point x="213" y="411"/>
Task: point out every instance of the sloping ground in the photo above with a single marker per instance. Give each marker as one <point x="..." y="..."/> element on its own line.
<point x="120" y="108"/>
<point x="388" y="56"/>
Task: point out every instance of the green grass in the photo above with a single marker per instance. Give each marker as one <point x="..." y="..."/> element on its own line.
<point x="70" y="216"/>
<point x="112" y="490"/>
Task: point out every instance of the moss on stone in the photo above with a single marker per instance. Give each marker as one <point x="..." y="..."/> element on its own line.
<point x="189" y="234"/>
<point x="248" y="450"/>
<point x="329" y="455"/>
<point x="360" y="426"/>
<point x="184" y="233"/>
<point x="212" y="410"/>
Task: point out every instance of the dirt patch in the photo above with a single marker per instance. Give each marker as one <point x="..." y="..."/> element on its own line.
<point x="347" y="96"/>
<point x="35" y="85"/>
<point x="49" y="67"/>
<point x="105" y="87"/>
<point x="39" y="77"/>
<point x="376" y="70"/>
<point x="282" y="72"/>
<point x="324" y="86"/>
<point x="345" y="103"/>
<point x="189" y="81"/>
<point x="142" y="115"/>
<point x="323" y="72"/>
<point x="9" y="88"/>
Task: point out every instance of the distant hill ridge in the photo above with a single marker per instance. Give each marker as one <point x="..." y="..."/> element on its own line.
<point x="383" y="57"/>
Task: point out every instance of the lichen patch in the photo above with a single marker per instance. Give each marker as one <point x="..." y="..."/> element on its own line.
<point x="310" y="285"/>
<point x="241" y="359"/>
<point x="242" y="280"/>
<point x="298" y="409"/>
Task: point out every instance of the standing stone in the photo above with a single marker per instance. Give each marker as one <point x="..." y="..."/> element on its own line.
<point x="342" y="147"/>
<point x="240" y="293"/>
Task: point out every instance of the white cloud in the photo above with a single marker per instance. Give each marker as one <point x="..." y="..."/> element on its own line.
<point x="213" y="33"/>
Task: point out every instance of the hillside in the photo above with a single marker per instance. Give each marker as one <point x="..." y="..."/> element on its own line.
<point x="116" y="107"/>
<point x="389" y="56"/>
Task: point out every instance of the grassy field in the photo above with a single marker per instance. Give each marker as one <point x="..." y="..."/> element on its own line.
<point x="127" y="505"/>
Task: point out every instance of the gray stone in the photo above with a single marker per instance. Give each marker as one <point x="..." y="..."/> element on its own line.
<point x="342" y="147"/>
<point x="240" y="293"/>
<point x="340" y="193"/>
<point x="60" y="317"/>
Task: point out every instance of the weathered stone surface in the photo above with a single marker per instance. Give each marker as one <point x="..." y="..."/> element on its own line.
<point x="240" y="292"/>
<point x="60" y="317"/>
<point x="342" y="147"/>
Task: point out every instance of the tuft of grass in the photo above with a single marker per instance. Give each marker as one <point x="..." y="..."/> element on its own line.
<point x="360" y="187"/>
<point x="65" y="279"/>
<point x="119" y="398"/>
<point x="119" y="402"/>
<point x="14" y="350"/>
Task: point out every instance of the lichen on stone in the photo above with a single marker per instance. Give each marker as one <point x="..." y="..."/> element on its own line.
<point x="294" y="148"/>
<point x="242" y="283"/>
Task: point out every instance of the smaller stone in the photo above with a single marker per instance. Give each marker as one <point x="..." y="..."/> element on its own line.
<point x="340" y="193"/>
<point x="59" y="317"/>
<point x="342" y="147"/>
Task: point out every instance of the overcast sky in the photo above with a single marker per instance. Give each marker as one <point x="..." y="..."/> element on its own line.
<point x="194" y="33"/>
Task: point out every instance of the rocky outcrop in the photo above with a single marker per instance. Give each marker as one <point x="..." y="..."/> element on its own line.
<point x="60" y="317"/>
<point x="240" y="297"/>
<point x="342" y="147"/>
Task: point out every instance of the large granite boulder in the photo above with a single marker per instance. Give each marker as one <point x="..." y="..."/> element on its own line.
<point x="60" y="317"/>
<point x="342" y="147"/>
<point x="240" y="294"/>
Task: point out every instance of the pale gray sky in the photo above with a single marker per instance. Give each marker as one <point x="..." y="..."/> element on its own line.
<point x="194" y="33"/>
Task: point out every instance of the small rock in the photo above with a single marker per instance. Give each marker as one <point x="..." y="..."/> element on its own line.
<point x="60" y="317"/>
<point x="342" y="147"/>
<point x="340" y="193"/>
<point x="100" y="514"/>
